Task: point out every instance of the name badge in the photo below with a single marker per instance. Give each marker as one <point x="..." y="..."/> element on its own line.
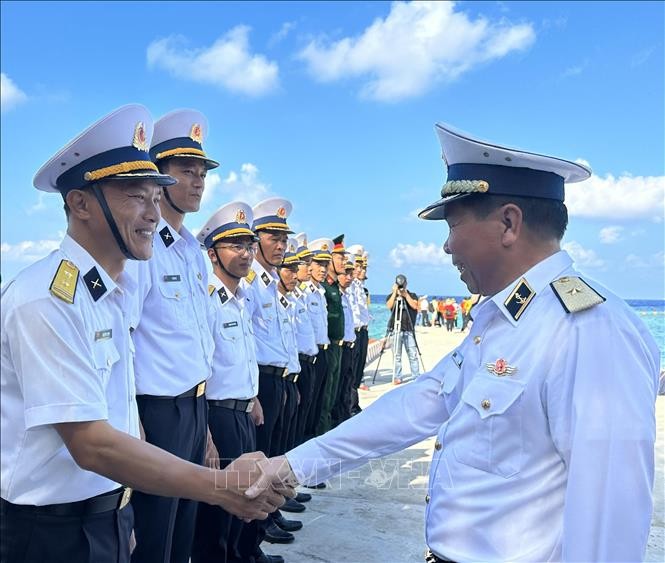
<point x="267" y="305"/>
<point x="232" y="323"/>
<point x="458" y="358"/>
<point x="171" y="278"/>
<point x="302" y="310"/>
<point x="103" y="334"/>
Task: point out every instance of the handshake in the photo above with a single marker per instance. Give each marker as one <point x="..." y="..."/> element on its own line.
<point x="253" y="486"/>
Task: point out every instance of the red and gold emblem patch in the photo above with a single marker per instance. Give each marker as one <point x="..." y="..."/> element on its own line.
<point x="324" y="247"/>
<point x="140" y="140"/>
<point x="281" y="213"/>
<point x="500" y="368"/>
<point x="241" y="217"/>
<point x="196" y="134"/>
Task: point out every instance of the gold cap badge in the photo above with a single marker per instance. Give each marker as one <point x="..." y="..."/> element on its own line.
<point x="196" y="134"/>
<point x="241" y="217"/>
<point x="140" y="141"/>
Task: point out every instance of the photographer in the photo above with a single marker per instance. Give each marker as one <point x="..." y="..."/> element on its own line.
<point x="406" y="337"/>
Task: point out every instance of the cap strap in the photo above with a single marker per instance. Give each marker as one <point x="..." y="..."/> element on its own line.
<point x="179" y="151"/>
<point x="111" y="221"/>
<point x="101" y="173"/>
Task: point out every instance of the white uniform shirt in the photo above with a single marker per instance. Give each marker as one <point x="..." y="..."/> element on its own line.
<point x="361" y="299"/>
<point x="347" y="308"/>
<point x="318" y="308"/>
<point x="554" y="462"/>
<point x="272" y="327"/>
<point x="173" y="339"/>
<point x="235" y="373"/>
<point x="287" y="303"/>
<point x="62" y="362"/>
<point x="355" y="305"/>
<point x="305" y="336"/>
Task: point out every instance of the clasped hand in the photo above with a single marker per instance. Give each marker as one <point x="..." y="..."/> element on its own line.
<point x="253" y="486"/>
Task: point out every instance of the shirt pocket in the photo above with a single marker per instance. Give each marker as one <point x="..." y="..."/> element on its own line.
<point x="491" y="416"/>
<point x="105" y="355"/>
<point x="176" y="303"/>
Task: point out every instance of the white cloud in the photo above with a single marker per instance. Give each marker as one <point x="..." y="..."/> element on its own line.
<point x="583" y="257"/>
<point x="27" y="250"/>
<point x="655" y="260"/>
<point x="10" y="94"/>
<point x="278" y="37"/>
<point x="625" y="197"/>
<point x="227" y="63"/>
<point x="416" y="46"/>
<point x="575" y="70"/>
<point x="425" y="254"/>
<point x="610" y="234"/>
<point x="244" y="186"/>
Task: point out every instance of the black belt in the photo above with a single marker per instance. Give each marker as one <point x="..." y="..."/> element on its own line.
<point x="348" y="344"/>
<point x="245" y="405"/>
<point x="292" y="377"/>
<point x="196" y="391"/>
<point x="307" y="358"/>
<point x="364" y="327"/>
<point x="322" y="346"/>
<point x="117" y="499"/>
<point x="431" y="557"/>
<point x="273" y="370"/>
<point x="335" y="342"/>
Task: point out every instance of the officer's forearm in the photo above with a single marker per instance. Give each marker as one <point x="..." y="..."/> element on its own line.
<point x="96" y="446"/>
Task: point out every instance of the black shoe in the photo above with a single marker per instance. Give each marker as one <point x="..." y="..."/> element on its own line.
<point x="292" y="505"/>
<point x="265" y="558"/>
<point x="286" y="525"/>
<point x="317" y="486"/>
<point x="274" y="534"/>
<point x="303" y="497"/>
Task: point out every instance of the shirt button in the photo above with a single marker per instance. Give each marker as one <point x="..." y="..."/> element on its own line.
<point x="438" y="445"/>
<point x="108" y="362"/>
<point x="427" y="499"/>
<point x="177" y="295"/>
<point x="486" y="404"/>
<point x="477" y="340"/>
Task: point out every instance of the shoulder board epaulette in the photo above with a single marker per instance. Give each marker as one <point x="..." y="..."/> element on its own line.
<point x="303" y="286"/>
<point x="575" y="294"/>
<point x="63" y="285"/>
<point x="251" y="276"/>
<point x="211" y="289"/>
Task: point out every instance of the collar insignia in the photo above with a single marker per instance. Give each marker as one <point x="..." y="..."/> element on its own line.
<point x="167" y="237"/>
<point x="575" y="294"/>
<point x="94" y="283"/>
<point x="519" y="299"/>
<point x="500" y="368"/>
<point x="283" y="300"/>
<point x="63" y="285"/>
<point x="223" y="296"/>
<point x="265" y="278"/>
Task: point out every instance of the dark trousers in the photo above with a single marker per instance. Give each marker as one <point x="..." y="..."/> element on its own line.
<point x="320" y="373"/>
<point x="217" y="535"/>
<point x="285" y="429"/>
<point x="28" y="537"/>
<point x="306" y="389"/>
<point x="343" y="402"/>
<point x="333" y="357"/>
<point x="271" y="391"/>
<point x="164" y="526"/>
<point x="362" y="342"/>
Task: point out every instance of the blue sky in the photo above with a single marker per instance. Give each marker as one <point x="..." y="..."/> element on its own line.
<point x="333" y="106"/>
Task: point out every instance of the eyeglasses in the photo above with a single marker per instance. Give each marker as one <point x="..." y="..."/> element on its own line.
<point x="239" y="248"/>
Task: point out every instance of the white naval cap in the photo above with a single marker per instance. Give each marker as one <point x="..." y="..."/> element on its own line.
<point x="181" y="133"/>
<point x="271" y="214"/>
<point x="291" y="255"/>
<point x="356" y="250"/>
<point x="321" y="249"/>
<point x="303" y="250"/>
<point x="230" y="220"/>
<point x="113" y="148"/>
<point x="476" y="166"/>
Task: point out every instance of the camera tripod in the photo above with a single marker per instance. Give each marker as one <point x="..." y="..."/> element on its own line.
<point x="394" y="333"/>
